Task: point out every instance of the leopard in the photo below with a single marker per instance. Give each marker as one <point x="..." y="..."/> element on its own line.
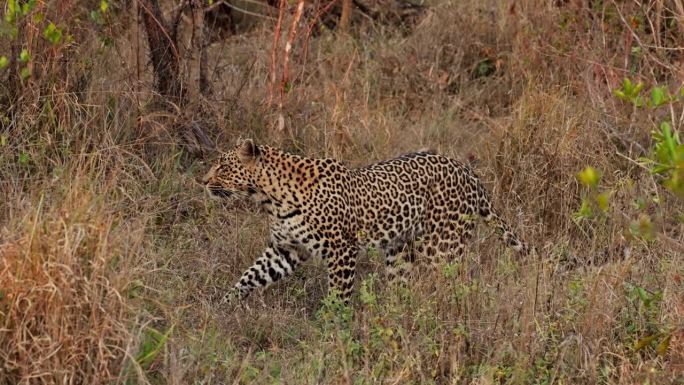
<point x="420" y="205"/>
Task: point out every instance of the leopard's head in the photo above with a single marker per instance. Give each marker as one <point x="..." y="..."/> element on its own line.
<point x="233" y="173"/>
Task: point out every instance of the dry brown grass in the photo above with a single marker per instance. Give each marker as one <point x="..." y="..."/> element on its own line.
<point x="63" y="311"/>
<point x="107" y="243"/>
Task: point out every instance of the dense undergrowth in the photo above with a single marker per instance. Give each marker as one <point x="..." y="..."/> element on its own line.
<point x="111" y="255"/>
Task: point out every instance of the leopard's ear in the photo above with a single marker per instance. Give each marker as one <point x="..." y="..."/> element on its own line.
<point x="248" y="151"/>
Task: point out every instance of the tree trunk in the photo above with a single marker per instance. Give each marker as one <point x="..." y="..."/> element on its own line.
<point x="345" y="17"/>
<point x="163" y="51"/>
<point x="165" y="57"/>
<point x="196" y="48"/>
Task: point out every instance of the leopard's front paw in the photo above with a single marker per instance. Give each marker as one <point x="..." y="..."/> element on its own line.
<point x="229" y="297"/>
<point x="233" y="296"/>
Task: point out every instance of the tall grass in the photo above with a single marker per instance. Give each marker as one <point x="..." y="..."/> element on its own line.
<point x="111" y="257"/>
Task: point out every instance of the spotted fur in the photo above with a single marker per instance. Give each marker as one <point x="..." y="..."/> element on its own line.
<point x="419" y="204"/>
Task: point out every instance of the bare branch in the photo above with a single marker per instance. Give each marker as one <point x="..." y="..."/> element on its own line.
<point x="274" y="48"/>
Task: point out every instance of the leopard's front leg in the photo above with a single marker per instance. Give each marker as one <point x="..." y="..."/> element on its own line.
<point x="276" y="262"/>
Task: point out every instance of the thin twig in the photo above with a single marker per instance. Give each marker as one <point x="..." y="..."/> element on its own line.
<point x="236" y="96"/>
<point x="274" y="56"/>
<point x="288" y="47"/>
<point x="178" y="12"/>
<point x="246" y="12"/>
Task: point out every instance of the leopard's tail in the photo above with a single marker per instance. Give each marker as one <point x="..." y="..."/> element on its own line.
<point x="492" y="219"/>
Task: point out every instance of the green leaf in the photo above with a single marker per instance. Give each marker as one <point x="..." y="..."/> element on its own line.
<point x="584" y="212"/>
<point x="638" y="101"/>
<point x="3" y="140"/>
<point x="602" y="200"/>
<point x="589" y="177"/>
<point x="643" y="227"/>
<point x="27" y="7"/>
<point x="135" y="288"/>
<point x="676" y="181"/>
<point x="25" y="73"/>
<point x="643" y="295"/>
<point x="659" y="96"/>
<point x="24" y="159"/>
<point x="11" y="15"/>
<point x="637" y="89"/>
<point x="642" y="343"/>
<point x="53" y="34"/>
<point x="620" y="94"/>
<point x="639" y="203"/>
<point x="24" y="56"/>
<point x="485" y="68"/>
<point x="96" y="16"/>
<point x="630" y="92"/>
<point x="104" y="6"/>
<point x="661" y="349"/>
<point x="153" y="342"/>
<point x="249" y="374"/>
<point x="3" y="62"/>
<point x="669" y="139"/>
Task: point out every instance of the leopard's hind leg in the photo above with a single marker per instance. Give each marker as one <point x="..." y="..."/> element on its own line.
<point x="399" y="261"/>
